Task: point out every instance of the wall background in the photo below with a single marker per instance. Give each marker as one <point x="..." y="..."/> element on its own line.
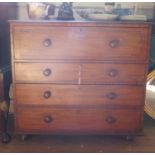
<point x="142" y="8"/>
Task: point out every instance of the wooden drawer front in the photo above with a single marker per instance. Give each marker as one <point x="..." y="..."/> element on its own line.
<point x="114" y="73"/>
<point x="87" y="43"/>
<point x="80" y="73"/>
<point x="79" y="95"/>
<point x="78" y="120"/>
<point x="47" y="72"/>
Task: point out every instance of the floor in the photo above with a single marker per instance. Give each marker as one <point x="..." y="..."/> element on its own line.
<point x="82" y="144"/>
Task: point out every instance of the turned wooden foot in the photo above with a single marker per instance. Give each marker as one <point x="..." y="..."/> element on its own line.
<point x="130" y="138"/>
<point x="6" y="138"/>
<point x="25" y="137"/>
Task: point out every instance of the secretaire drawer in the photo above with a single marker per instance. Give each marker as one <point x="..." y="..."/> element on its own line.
<point x="86" y="121"/>
<point x="79" y="95"/>
<point x="80" y="73"/>
<point x="47" y="72"/>
<point x="86" y="43"/>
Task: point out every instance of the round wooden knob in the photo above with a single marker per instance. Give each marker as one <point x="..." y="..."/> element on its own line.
<point x="110" y="119"/>
<point x="47" y="72"/>
<point x="47" y="42"/>
<point x="48" y="119"/>
<point x="111" y="95"/>
<point x="47" y="94"/>
<point x="114" y="43"/>
<point x="113" y="72"/>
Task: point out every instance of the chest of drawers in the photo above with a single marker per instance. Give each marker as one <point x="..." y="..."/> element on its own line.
<point x="79" y="77"/>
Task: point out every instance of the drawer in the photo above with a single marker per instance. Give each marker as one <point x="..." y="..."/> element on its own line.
<point x="47" y="72"/>
<point x="84" y="43"/>
<point x="80" y="73"/>
<point x="79" y="95"/>
<point x="81" y="121"/>
<point x="114" y="73"/>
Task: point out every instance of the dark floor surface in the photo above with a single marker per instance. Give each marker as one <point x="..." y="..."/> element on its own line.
<point x="83" y="144"/>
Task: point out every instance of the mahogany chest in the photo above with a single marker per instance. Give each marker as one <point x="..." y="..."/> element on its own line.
<point x="79" y="77"/>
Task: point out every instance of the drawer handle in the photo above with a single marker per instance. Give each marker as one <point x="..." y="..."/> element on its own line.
<point x="111" y="96"/>
<point x="47" y="94"/>
<point x="113" y="72"/>
<point x="47" y="72"/>
<point x="47" y="42"/>
<point x="48" y="119"/>
<point x="110" y="119"/>
<point x="114" y="43"/>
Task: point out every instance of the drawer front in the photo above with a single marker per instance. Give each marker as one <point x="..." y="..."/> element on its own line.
<point x="78" y="120"/>
<point x="80" y="73"/>
<point x="47" y="72"/>
<point x="79" y="95"/>
<point x="85" y="43"/>
<point x="114" y="74"/>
